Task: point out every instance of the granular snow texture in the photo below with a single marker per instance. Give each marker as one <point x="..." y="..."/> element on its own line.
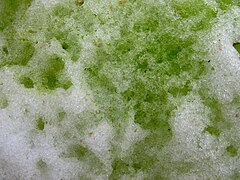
<point x="119" y="89"/>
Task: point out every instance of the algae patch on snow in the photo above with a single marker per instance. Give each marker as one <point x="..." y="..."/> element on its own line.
<point x="119" y="89"/>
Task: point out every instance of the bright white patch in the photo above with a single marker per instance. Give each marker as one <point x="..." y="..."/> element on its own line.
<point x="133" y="134"/>
<point x="225" y="79"/>
<point x="98" y="140"/>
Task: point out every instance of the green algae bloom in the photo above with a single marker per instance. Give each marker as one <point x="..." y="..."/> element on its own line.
<point x="120" y="89"/>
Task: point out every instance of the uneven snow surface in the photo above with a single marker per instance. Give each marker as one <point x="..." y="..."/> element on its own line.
<point x="119" y="89"/>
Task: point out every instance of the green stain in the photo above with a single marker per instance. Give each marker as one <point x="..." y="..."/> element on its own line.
<point x="55" y="64"/>
<point x="219" y="121"/>
<point x="236" y="175"/>
<point x="52" y="75"/>
<point x="66" y="84"/>
<point x="24" y="53"/>
<point x="193" y="8"/>
<point x="85" y="155"/>
<point x="19" y="48"/>
<point x="27" y="82"/>
<point x="232" y="150"/>
<point x="187" y="9"/>
<point x="79" y="152"/>
<point x="79" y="2"/>
<point x="127" y="95"/>
<point x="49" y="75"/>
<point x="180" y="91"/>
<point x="213" y="130"/>
<point x="62" y="11"/>
<point x="149" y="22"/>
<point x="3" y="101"/>
<point x="153" y="49"/>
<point x="17" y="52"/>
<point x="100" y="80"/>
<point x="226" y="4"/>
<point x="152" y="56"/>
<point x="237" y="46"/>
<point x="40" y="124"/>
<point x="41" y="164"/>
<point x="119" y="168"/>
<point x="142" y="160"/>
<point x="50" y="80"/>
<point x="61" y="115"/>
<point x="9" y="10"/>
<point x="5" y="50"/>
<point x="68" y="40"/>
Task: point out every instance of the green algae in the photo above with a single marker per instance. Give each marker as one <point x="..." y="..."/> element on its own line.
<point x="48" y="76"/>
<point x="213" y="130"/>
<point x="10" y="10"/>
<point x="237" y="46"/>
<point x="119" y="169"/>
<point x="232" y="150"/>
<point x="83" y="154"/>
<point x="3" y="101"/>
<point x="153" y="57"/>
<point x="236" y="175"/>
<point x="27" y="82"/>
<point x="227" y="4"/>
<point x="154" y="48"/>
<point x="219" y="121"/>
<point x="79" y="2"/>
<point x="78" y="151"/>
<point x="61" y="115"/>
<point x="67" y="37"/>
<point x="40" y="124"/>
<point x="56" y="29"/>
<point x="41" y="164"/>
<point x="17" y="52"/>
<point x="19" y="48"/>
<point x="188" y="9"/>
<point x="50" y="73"/>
